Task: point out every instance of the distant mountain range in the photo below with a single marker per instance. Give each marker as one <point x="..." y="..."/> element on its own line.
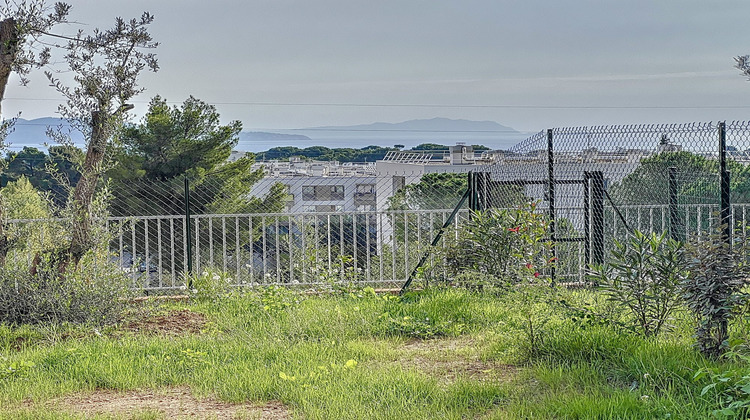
<point x="34" y="132"/>
<point x="440" y="125"/>
<point x="408" y="133"/>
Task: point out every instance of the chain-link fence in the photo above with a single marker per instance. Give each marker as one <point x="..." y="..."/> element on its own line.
<point x="598" y="184"/>
<point x="315" y="223"/>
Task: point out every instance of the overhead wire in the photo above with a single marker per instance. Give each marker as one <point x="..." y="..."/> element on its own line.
<point x="425" y="105"/>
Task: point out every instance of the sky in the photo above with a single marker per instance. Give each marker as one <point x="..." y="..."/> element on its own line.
<point x="527" y="64"/>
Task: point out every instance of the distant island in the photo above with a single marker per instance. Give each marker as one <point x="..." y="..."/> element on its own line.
<point x="410" y="134"/>
<point x="262" y="136"/>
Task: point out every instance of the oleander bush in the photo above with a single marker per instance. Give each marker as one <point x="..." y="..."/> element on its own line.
<point x="643" y="276"/>
<point x="501" y="247"/>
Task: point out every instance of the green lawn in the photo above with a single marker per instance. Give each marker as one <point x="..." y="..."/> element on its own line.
<point x="440" y="353"/>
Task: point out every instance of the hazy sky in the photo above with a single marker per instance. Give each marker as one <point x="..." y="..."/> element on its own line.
<point x="525" y="64"/>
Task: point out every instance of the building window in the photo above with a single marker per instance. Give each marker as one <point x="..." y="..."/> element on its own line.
<point x="308" y="192"/>
<point x="337" y="192"/>
<point x="398" y="183"/>
<point x="364" y="194"/>
<point x="322" y="192"/>
<point x="365" y="189"/>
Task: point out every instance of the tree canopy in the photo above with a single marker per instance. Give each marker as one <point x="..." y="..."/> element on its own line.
<point x="22" y="25"/>
<point x="697" y="180"/>
<point x="177" y="142"/>
<point x="433" y="191"/>
<point x="54" y="172"/>
<point x="444" y="191"/>
<point x="346" y="154"/>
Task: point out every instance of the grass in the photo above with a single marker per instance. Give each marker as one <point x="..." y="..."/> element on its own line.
<point x="440" y="353"/>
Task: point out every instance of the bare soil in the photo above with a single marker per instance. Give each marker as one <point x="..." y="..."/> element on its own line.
<point x="173" y="323"/>
<point x="448" y="371"/>
<point x="451" y="359"/>
<point x="171" y="403"/>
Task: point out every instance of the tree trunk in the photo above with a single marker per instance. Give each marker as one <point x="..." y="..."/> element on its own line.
<point x="83" y="195"/>
<point x="8" y="50"/>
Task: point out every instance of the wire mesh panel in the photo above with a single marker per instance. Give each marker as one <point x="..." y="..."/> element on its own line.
<point x="599" y="184"/>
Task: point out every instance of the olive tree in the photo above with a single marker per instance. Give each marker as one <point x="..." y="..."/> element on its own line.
<point x="742" y="63"/>
<point x="105" y="65"/>
<point x="22" y="25"/>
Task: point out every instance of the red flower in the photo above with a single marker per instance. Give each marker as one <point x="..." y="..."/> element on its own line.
<point x="536" y="274"/>
<point x="528" y="265"/>
<point x="515" y="229"/>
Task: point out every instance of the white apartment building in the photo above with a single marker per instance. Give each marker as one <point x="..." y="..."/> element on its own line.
<point x="315" y="186"/>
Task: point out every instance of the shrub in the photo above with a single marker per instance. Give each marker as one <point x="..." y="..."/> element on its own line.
<point x="505" y="245"/>
<point x="478" y="281"/>
<point x="94" y="293"/>
<point x="341" y="275"/>
<point x="19" y="200"/>
<point x="276" y="299"/>
<point x="713" y="288"/>
<point x="644" y="275"/>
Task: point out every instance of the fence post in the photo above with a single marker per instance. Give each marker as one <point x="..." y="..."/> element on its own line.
<point x="597" y="217"/>
<point x="188" y="230"/>
<point x="470" y="185"/>
<point x="726" y="210"/>
<point x="551" y="199"/>
<point x="483" y="190"/>
<point x="587" y="217"/>
<point x="674" y="231"/>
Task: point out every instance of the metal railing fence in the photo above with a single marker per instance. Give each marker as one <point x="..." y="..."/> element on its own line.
<point x="295" y="249"/>
<point x="324" y="249"/>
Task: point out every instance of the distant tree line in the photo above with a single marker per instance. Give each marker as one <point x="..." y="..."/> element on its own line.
<point x="346" y="154"/>
<point x="53" y="172"/>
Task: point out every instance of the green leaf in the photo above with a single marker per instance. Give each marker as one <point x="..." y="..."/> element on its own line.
<point x="707" y="388"/>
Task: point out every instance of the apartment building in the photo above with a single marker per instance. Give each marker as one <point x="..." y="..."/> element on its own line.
<point x="315" y="186"/>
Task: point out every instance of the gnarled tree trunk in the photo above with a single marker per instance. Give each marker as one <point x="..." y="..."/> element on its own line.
<point x="83" y="195"/>
<point x="8" y="52"/>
